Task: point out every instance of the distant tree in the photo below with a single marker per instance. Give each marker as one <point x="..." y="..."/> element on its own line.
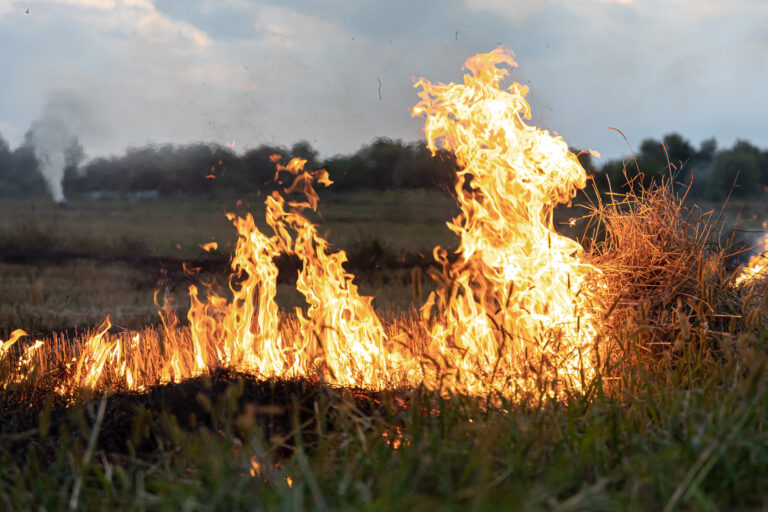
<point x="680" y="154"/>
<point x="257" y="170"/>
<point x="6" y="162"/>
<point x="739" y="165"/>
<point x="697" y="172"/>
<point x="707" y="150"/>
<point x="25" y="178"/>
<point x="655" y="161"/>
<point x="424" y="170"/>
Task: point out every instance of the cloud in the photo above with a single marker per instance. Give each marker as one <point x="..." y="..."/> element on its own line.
<point x="98" y="4"/>
<point x="9" y="7"/>
<point x="516" y="11"/>
<point x="279" y="71"/>
<point x="158" y="28"/>
<point x="140" y="17"/>
<point x="9" y="130"/>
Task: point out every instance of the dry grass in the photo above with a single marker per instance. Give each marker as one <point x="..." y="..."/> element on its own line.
<point x="668" y="291"/>
<point x="669" y="280"/>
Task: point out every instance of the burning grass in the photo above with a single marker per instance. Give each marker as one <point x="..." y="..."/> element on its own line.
<point x="668" y="282"/>
<point x="520" y="311"/>
<point x="538" y="372"/>
<point x="514" y="313"/>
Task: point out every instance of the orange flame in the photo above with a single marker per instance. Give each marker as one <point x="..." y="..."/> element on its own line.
<point x="756" y="267"/>
<point x="520" y="296"/>
<point x="6" y="346"/>
<point x="517" y="309"/>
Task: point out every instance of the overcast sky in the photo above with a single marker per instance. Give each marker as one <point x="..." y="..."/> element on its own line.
<point x="340" y="72"/>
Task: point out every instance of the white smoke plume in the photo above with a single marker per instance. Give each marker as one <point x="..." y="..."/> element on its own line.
<point x="54" y="137"/>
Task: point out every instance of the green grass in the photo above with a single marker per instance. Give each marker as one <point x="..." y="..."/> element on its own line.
<point x="693" y="438"/>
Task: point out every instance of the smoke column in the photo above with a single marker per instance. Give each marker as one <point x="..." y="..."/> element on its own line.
<point x="54" y="138"/>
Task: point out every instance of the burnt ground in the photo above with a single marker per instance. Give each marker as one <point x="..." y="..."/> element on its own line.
<point x="142" y="424"/>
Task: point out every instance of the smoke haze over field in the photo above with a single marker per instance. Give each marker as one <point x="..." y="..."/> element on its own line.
<point x="340" y="73"/>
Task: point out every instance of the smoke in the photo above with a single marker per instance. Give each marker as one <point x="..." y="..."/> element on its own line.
<point x="54" y="138"/>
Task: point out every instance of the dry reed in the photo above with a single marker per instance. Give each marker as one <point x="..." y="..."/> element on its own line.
<point x="669" y="282"/>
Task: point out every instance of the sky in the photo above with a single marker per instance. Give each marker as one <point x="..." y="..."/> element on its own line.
<point x="339" y="73"/>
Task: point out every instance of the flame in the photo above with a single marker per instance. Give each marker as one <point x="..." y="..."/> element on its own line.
<point x="5" y="346"/>
<point x="755" y="267"/>
<point x="520" y="297"/>
<point x="516" y="308"/>
<point x="210" y="246"/>
<point x="243" y="333"/>
<point x="340" y="332"/>
<point x="340" y="329"/>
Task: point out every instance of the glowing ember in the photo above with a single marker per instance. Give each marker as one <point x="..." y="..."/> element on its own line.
<point x="516" y="313"/>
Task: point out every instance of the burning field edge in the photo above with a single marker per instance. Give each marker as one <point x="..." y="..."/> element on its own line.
<point x="627" y="368"/>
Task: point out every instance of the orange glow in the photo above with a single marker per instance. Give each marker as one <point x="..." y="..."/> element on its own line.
<point x="756" y="267"/>
<point x="6" y="346"/>
<point x="255" y="467"/>
<point x="520" y="297"/>
<point x="517" y="311"/>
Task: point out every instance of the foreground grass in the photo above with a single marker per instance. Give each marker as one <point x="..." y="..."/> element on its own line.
<point x="692" y="436"/>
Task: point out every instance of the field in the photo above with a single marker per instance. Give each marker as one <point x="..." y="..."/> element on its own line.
<point x="68" y="267"/>
<point x="683" y="428"/>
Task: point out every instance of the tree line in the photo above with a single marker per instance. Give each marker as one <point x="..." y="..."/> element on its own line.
<point x="215" y="170"/>
<point x="712" y="173"/>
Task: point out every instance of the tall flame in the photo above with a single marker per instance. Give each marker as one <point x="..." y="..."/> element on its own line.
<point x="520" y="297"/>
<point x="516" y="312"/>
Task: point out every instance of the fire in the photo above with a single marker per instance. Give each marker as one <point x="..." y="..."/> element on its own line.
<point x="518" y="308"/>
<point x="755" y="267"/>
<point x="5" y="347"/>
<point x="520" y="298"/>
<point x="339" y="334"/>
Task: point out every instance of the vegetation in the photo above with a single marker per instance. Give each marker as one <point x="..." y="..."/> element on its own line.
<point x="213" y="171"/>
<point x="690" y="438"/>
<point x="677" y="417"/>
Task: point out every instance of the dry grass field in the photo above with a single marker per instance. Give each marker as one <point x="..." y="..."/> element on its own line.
<point x="62" y="268"/>
<point x="66" y="268"/>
